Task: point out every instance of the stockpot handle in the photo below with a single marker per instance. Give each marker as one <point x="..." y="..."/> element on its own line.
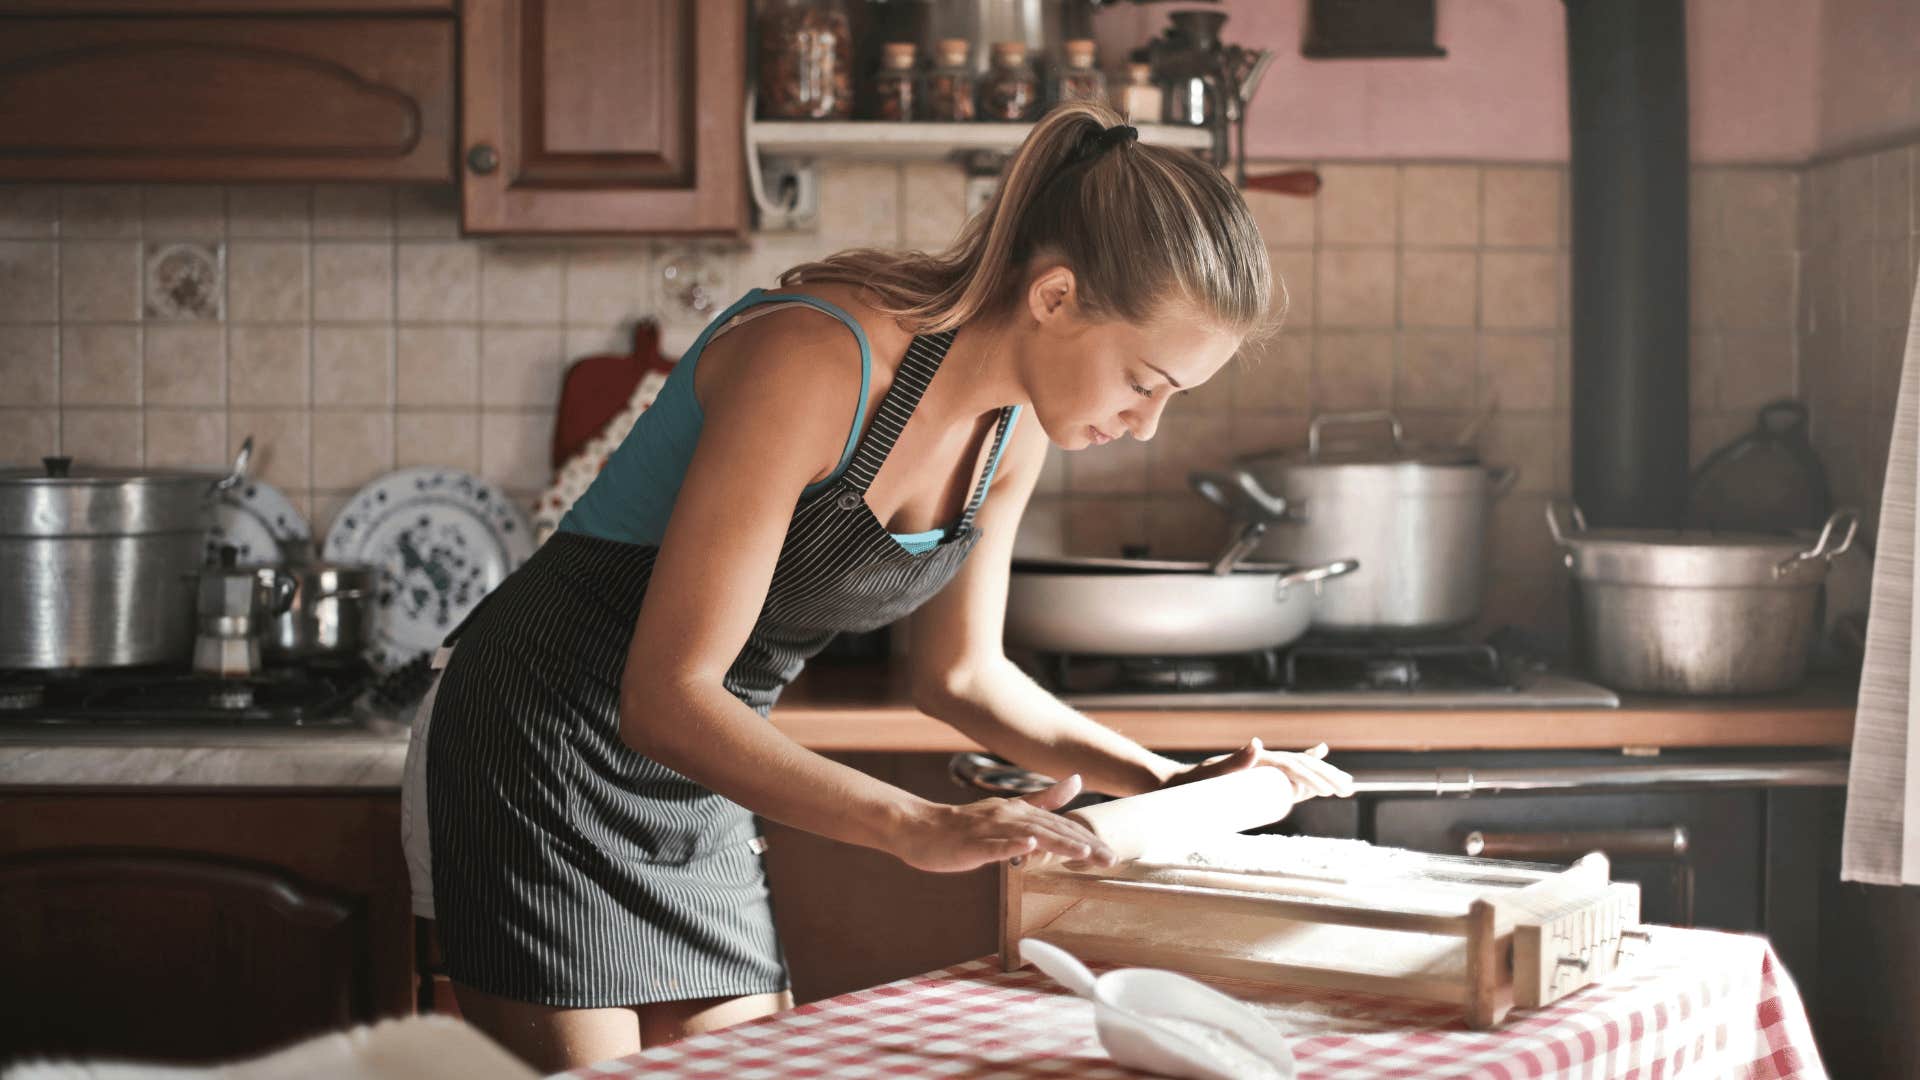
<point x="1820" y="550"/>
<point x="1553" y="520"/>
<point x="983" y="772"/>
<point x="1314" y="575"/>
<point x="1370" y="417"/>
<point x="239" y="472"/>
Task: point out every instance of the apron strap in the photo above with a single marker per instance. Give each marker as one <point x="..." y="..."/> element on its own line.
<point x="909" y="383"/>
<point x="1007" y="417"/>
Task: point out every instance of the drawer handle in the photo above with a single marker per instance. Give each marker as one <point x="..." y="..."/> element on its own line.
<point x="1666" y="842"/>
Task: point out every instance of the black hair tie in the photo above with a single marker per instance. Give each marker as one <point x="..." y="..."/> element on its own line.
<point x="1106" y="139"/>
<point x="1117" y="135"/>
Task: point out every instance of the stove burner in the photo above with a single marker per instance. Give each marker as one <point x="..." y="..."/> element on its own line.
<point x="237" y="696"/>
<point x="278" y="696"/>
<point x="1374" y="665"/>
<point x="1312" y="665"/>
<point x="16" y="696"/>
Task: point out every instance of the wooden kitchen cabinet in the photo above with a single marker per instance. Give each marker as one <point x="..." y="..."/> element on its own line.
<point x="603" y="116"/>
<point x="851" y="918"/>
<point x="195" y="927"/>
<point x="265" y="97"/>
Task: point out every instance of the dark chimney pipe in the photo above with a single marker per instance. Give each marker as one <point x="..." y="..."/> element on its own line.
<point x="1627" y="86"/>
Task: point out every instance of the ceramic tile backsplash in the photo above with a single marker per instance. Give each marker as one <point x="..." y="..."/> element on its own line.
<point x="360" y="332"/>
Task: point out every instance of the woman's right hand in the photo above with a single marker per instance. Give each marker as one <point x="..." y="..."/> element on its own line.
<point x="945" y="838"/>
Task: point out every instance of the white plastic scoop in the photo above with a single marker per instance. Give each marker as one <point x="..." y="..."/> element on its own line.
<point x="1168" y="1024"/>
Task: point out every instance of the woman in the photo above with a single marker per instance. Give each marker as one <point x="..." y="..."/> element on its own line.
<point x="598" y="745"/>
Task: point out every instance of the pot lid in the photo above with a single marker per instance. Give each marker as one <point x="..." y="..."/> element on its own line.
<point x="64" y="472"/>
<point x="1369" y="438"/>
<point x="60" y="499"/>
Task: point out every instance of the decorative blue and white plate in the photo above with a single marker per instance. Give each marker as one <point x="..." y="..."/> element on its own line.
<point x="259" y="521"/>
<point x="442" y="539"/>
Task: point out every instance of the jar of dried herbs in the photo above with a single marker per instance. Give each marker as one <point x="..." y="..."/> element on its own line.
<point x="1080" y="80"/>
<point x="950" y="85"/>
<point x="806" y="60"/>
<point x="896" y="85"/>
<point x="1010" y="91"/>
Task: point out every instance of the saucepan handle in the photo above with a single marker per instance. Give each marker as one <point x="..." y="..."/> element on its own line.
<point x="1314" y="575"/>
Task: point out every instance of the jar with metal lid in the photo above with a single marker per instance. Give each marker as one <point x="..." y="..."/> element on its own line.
<point x="97" y="566"/>
<point x="896" y="86"/>
<point x="1010" y="90"/>
<point x="1080" y="79"/>
<point x="806" y="60"/>
<point x="950" y="86"/>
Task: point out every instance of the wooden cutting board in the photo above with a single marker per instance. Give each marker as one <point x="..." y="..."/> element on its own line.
<point x="596" y="388"/>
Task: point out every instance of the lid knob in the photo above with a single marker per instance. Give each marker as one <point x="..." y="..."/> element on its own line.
<point x="57" y="467"/>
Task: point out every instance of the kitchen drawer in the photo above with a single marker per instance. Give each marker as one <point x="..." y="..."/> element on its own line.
<point x="227" y="98"/>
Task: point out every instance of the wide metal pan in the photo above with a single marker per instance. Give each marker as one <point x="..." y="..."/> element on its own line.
<point x="1143" y="607"/>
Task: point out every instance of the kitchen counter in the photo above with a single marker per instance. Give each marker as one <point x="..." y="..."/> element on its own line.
<point x="866" y="709"/>
<point x="365" y="754"/>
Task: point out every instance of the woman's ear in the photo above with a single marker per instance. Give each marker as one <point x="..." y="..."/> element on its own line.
<point x="1051" y="293"/>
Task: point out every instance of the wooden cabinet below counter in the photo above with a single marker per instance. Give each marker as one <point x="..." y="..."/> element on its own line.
<point x="196" y="927"/>
<point x="264" y="97"/>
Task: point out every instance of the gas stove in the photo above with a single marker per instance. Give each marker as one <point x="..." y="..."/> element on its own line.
<point x="1321" y="674"/>
<point x="293" y="696"/>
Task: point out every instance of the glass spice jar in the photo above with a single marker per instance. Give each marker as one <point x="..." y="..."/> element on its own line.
<point x="1010" y="91"/>
<point x="1080" y="80"/>
<point x="1140" y="99"/>
<point x="806" y="60"/>
<point x="895" y="86"/>
<point x="950" y="86"/>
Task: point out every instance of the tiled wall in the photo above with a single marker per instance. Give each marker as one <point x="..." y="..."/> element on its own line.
<point x="1858" y="225"/>
<point x="357" y="332"/>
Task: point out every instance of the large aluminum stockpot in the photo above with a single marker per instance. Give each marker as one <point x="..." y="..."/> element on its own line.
<point x="1142" y="607"/>
<point x="1668" y="611"/>
<point x="1415" y="517"/>
<point x="97" y="565"/>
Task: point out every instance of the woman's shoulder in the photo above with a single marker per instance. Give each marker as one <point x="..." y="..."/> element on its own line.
<point x="811" y="346"/>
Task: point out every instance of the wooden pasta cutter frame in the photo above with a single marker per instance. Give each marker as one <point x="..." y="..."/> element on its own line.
<point x="1531" y="937"/>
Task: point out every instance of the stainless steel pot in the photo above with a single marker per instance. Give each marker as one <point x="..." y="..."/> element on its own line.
<point x="1415" y="518"/>
<point x="1665" y="611"/>
<point x="1140" y="607"/>
<point x="330" y="617"/>
<point x="97" y="565"/>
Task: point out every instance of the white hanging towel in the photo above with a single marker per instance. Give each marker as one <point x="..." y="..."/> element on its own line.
<point x="1882" y="840"/>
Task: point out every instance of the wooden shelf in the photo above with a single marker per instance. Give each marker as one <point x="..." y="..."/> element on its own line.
<point x="879" y="140"/>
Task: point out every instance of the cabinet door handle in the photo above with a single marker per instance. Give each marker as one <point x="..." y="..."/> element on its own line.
<point x="1666" y="842"/>
<point x="483" y="158"/>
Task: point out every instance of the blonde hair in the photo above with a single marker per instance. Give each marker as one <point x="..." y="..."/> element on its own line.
<point x="1137" y="224"/>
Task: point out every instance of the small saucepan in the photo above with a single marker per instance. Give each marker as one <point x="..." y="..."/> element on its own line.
<point x="1147" y="607"/>
<point x="331" y="616"/>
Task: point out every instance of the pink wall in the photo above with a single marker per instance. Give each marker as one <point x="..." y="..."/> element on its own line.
<point x="1501" y="92"/>
<point x="1869" y="85"/>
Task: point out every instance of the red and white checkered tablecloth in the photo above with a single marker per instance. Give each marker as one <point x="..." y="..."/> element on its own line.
<point x="1694" y="1003"/>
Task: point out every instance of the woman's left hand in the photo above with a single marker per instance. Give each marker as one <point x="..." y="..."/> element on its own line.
<point x="1309" y="774"/>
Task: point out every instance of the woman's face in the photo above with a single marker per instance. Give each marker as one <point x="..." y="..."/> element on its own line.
<point x="1095" y="381"/>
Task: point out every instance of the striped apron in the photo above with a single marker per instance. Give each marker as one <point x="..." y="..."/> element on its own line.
<point x="569" y="870"/>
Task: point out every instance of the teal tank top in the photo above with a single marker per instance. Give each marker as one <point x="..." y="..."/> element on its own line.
<point x="633" y="496"/>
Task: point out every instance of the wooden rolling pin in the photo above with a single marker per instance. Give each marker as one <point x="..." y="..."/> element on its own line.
<point x="1232" y="803"/>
